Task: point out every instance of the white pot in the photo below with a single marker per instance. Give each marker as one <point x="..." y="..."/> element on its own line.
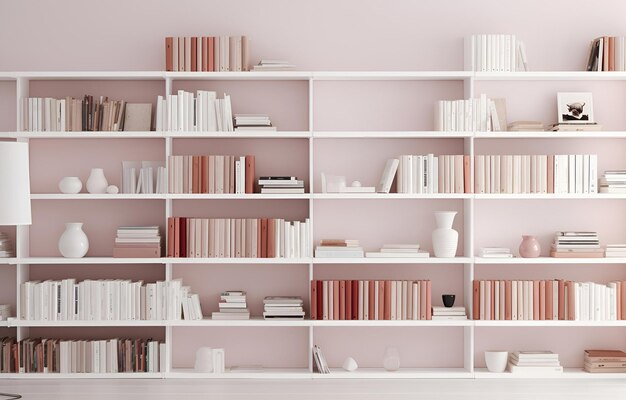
<point x="97" y="182"/>
<point x="445" y="239"/>
<point x="73" y="243"/>
<point x="391" y="360"/>
<point x="350" y="364"/>
<point x="70" y="185"/>
<point x="496" y="360"/>
<point x="204" y="360"/>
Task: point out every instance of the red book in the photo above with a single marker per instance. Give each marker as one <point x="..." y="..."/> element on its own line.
<point x="205" y="49"/>
<point x="542" y="300"/>
<point x="476" y="299"/>
<point x="355" y="299"/>
<point x="550" y="173"/>
<point x="549" y="301"/>
<point x="250" y="174"/>
<point x="571" y="302"/>
<point x="371" y="294"/>
<point x="387" y="313"/>
<point x="381" y="299"/>
<point x="177" y="237"/>
<point x="194" y="53"/>
<point x="313" y="300"/>
<point x="561" y="284"/>
<point x="169" y="64"/>
<point x="320" y="299"/>
<point x="204" y="174"/>
<point x="536" y="300"/>
<point x="195" y="177"/>
<point x="170" y="237"/>
<point x="467" y="176"/>
<point x="271" y="238"/>
<point x="336" y="300"/>
<point x="183" y="236"/>
<point x="342" y="300"/>
<point x="429" y="306"/>
<point x="348" y="299"/>
<point x="493" y="299"/>
<point x="211" y="56"/>
<point x="263" y="225"/>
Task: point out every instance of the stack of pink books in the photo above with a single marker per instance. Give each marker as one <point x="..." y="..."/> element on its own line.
<point x="137" y="242"/>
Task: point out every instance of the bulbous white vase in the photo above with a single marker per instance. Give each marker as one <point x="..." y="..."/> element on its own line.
<point x="70" y="185"/>
<point x="73" y="243"/>
<point x="97" y="182"/>
<point x="445" y="239"/>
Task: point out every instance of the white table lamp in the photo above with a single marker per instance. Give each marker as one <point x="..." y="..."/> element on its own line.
<point x="14" y="184"/>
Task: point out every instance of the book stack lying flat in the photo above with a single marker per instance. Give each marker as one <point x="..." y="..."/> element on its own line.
<point x="565" y="127"/>
<point x="253" y="122"/>
<point x="340" y="248"/>
<point x="495" y="252"/>
<point x="6" y="248"/>
<point x="449" y="313"/>
<point x="613" y="182"/>
<point x="576" y="244"/>
<point x="283" y="307"/>
<point x="615" y="250"/>
<point x="534" y="362"/>
<point x="137" y="241"/>
<point x="320" y="361"/>
<point x="232" y="306"/>
<point x="605" y="361"/>
<point x="281" y="184"/>
<point x="526" y="126"/>
<point x="399" y="251"/>
<point x="273" y="65"/>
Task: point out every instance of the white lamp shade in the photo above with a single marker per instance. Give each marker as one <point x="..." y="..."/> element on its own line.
<point x="14" y="184"/>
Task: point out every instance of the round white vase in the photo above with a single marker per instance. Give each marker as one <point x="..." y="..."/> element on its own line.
<point x="445" y="239"/>
<point x="97" y="182"/>
<point x="496" y="360"/>
<point x="73" y="243"/>
<point x="204" y="360"/>
<point x="70" y="185"/>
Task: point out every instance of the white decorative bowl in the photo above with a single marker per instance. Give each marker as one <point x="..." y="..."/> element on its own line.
<point x="496" y="360"/>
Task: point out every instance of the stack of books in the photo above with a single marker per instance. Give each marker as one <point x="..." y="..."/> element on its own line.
<point x="206" y="53"/>
<point x="615" y="250"/>
<point x="340" y="248"/>
<point x="399" y="250"/>
<point x="613" y="182"/>
<point x="232" y="306"/>
<point x="495" y="252"/>
<point x="534" y="362"/>
<point x="6" y="248"/>
<point x="137" y="241"/>
<point x="273" y="65"/>
<point x="565" y="127"/>
<point x="320" y="361"/>
<point x="283" y="307"/>
<point x="526" y="126"/>
<point x="449" y="313"/>
<point x="253" y="122"/>
<point x="281" y="184"/>
<point x="576" y="245"/>
<point x="495" y="53"/>
<point x="605" y="361"/>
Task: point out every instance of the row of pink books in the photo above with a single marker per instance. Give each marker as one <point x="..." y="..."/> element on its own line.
<point x="433" y="174"/>
<point x="214" y="174"/>
<point x="206" y="53"/>
<point x="237" y="238"/>
<point x="548" y="300"/>
<point x="371" y="300"/>
<point x="184" y="112"/>
<point x="573" y="173"/>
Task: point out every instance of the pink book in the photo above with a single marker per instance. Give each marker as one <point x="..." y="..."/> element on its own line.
<point x="336" y="300"/>
<point x="171" y="233"/>
<point x="429" y="307"/>
<point x="423" y="299"/>
<point x="561" y="305"/>
<point x="139" y="252"/>
<point x="623" y="299"/>
<point x="507" y="300"/>
<point x="549" y="309"/>
<point x="550" y="173"/>
<point x="476" y="299"/>
<point x="387" y="313"/>
<point x="342" y="300"/>
<point x="542" y="300"/>
<point x="313" y="300"/>
<point x="619" y="299"/>
<point x="536" y="300"/>
<point x="348" y="299"/>
<point x="381" y="299"/>
<point x="571" y="301"/>
<point x="493" y="299"/>
<point x="371" y="292"/>
<point x="355" y="299"/>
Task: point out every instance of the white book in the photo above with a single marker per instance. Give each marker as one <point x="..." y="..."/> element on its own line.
<point x="579" y="173"/>
<point x="482" y="300"/>
<point x="571" y="180"/>
<point x="384" y="185"/>
<point x="593" y="173"/>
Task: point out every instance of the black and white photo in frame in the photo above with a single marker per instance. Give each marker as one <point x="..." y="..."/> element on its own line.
<point x="575" y="107"/>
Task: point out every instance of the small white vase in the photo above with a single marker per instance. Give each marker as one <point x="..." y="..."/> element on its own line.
<point x="496" y="360"/>
<point x="391" y="360"/>
<point x="97" y="182"/>
<point x="70" y="185"/>
<point x="350" y="364"/>
<point x="445" y="239"/>
<point x="204" y="360"/>
<point x="73" y="243"/>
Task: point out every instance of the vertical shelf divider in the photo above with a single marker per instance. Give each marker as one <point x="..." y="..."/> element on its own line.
<point x="468" y="240"/>
<point x="310" y="200"/>
<point x="168" y="266"/>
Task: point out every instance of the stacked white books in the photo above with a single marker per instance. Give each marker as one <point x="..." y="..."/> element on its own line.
<point x="185" y="113"/>
<point x="613" y="182"/>
<point x="281" y="184"/>
<point x="273" y="65"/>
<point x="495" y="252"/>
<point x="526" y="126"/>
<point x="534" y="362"/>
<point x="253" y="122"/>
<point x="399" y="251"/>
<point x="5" y="312"/>
<point x="615" y="250"/>
<point x="137" y="241"/>
<point x="339" y="248"/>
<point x="283" y="307"/>
<point x="6" y="247"/>
<point x="320" y="361"/>
<point x="576" y="244"/>
<point x="449" y="313"/>
<point x="232" y="306"/>
<point x="146" y="177"/>
<point x="568" y="127"/>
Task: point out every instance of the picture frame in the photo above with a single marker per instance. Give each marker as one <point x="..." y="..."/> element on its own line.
<point x="575" y="108"/>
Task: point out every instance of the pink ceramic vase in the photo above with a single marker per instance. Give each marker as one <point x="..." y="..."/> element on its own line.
<point x="529" y="248"/>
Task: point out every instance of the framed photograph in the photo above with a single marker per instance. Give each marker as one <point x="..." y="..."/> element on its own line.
<point x="575" y="108"/>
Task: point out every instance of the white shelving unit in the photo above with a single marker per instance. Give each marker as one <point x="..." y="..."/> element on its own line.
<point x="467" y="261"/>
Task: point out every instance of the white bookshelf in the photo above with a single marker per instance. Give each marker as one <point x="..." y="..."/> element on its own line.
<point x="568" y="373"/>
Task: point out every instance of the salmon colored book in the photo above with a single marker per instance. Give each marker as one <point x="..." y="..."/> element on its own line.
<point x="467" y="176"/>
<point x="423" y="300"/>
<point x="493" y="299"/>
<point x="371" y="293"/>
<point x="320" y="299"/>
<point x="169" y="43"/>
<point x="335" y="299"/>
<point x="550" y="173"/>
<point x="211" y="55"/>
<point x="429" y="295"/>
<point x="542" y="300"/>
<point x="263" y="247"/>
<point x="612" y="53"/>
<point x="549" y="309"/>
<point x="571" y="302"/>
<point x="205" y="49"/>
<point x="196" y="174"/>
<point x="271" y="238"/>
<point x="387" y="308"/>
<point x="381" y="299"/>
<point x="605" y="60"/>
<point x="476" y="299"/>
<point x="313" y="313"/>
<point x="355" y="299"/>
<point x="204" y="174"/>
<point x="342" y="300"/>
<point x="250" y="174"/>
<point x="621" y="300"/>
<point x="348" y="300"/>
<point x="536" y="300"/>
<point x="507" y="300"/>
<point x="183" y="237"/>
<point x="171" y="232"/>
<point x="194" y="54"/>
<point x="561" y="284"/>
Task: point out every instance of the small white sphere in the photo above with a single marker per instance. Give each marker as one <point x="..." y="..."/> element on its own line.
<point x="112" y="189"/>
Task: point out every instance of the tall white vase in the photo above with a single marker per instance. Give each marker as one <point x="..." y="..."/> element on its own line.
<point x="97" y="182"/>
<point x="445" y="239"/>
<point x="73" y="243"/>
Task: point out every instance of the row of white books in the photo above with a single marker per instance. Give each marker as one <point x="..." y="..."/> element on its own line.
<point x="217" y="174"/>
<point x="480" y="114"/>
<point x="147" y="177"/>
<point x="568" y="173"/>
<point x="495" y="53"/>
<point x="613" y="182"/>
<point x="106" y="300"/>
<point x="204" y="112"/>
<point x="431" y="174"/>
<point x="6" y="246"/>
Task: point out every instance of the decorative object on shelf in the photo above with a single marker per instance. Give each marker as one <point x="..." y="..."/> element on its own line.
<point x="204" y="360"/>
<point x="112" y="189"/>
<point x="70" y="185"/>
<point x="445" y="239"/>
<point x="448" y="300"/>
<point x="575" y="107"/>
<point x="350" y="364"/>
<point x="391" y="359"/>
<point x="138" y="117"/>
<point x="333" y="183"/>
<point x="97" y="183"/>
<point x="5" y="312"/>
<point x="73" y="243"/>
<point x="529" y="248"/>
<point x="496" y="360"/>
<point x="219" y="361"/>
<point x="14" y="184"/>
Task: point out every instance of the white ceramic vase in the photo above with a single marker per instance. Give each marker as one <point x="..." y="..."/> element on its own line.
<point x="70" y="185"/>
<point x="445" y="239"/>
<point x="73" y="243"/>
<point x="350" y="364"/>
<point x="204" y="360"/>
<point x="391" y="360"/>
<point x="97" y="182"/>
<point x="496" y="360"/>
